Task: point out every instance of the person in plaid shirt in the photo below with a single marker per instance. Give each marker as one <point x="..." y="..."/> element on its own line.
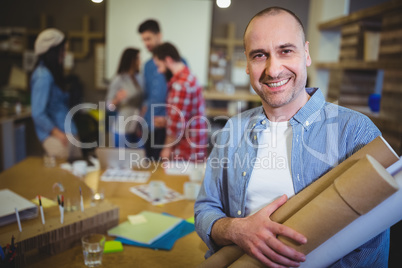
<point x="186" y="125"/>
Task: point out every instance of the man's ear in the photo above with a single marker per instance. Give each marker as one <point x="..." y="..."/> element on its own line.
<point x="307" y="51"/>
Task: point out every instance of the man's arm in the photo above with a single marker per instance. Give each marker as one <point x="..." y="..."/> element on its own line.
<point x="257" y="235"/>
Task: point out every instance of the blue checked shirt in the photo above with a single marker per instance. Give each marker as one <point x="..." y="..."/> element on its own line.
<point x="324" y="135"/>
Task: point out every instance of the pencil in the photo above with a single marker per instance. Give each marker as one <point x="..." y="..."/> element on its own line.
<point x="18" y="219"/>
<point x="41" y="210"/>
<point x="82" y="201"/>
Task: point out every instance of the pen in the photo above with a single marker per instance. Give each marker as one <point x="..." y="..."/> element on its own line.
<point x="41" y="210"/>
<point x="62" y="209"/>
<point x="18" y="219"/>
<point x="59" y="202"/>
<point x="82" y="201"/>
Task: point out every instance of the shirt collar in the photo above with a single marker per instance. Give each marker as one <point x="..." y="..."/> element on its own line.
<point x="305" y="116"/>
<point x="310" y="111"/>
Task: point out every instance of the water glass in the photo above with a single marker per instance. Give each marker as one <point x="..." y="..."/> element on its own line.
<point x="92" y="246"/>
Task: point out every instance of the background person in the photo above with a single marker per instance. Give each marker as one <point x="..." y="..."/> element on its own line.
<point x="185" y="120"/>
<point x="50" y="99"/>
<point x="155" y="89"/>
<point x="125" y="96"/>
<point x="296" y="127"/>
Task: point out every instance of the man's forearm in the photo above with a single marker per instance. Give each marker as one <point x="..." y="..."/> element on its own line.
<point x="222" y="233"/>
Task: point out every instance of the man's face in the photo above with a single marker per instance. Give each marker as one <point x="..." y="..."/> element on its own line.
<point x="160" y="65"/>
<point x="150" y="39"/>
<point x="162" y="68"/>
<point x="277" y="58"/>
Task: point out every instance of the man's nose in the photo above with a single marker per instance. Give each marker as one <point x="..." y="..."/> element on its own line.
<point x="273" y="66"/>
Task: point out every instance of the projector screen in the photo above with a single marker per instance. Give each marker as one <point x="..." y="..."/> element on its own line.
<point x="184" y="23"/>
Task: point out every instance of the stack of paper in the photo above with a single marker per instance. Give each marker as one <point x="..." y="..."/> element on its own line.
<point x="154" y="230"/>
<point x="9" y="201"/>
<point x="155" y="226"/>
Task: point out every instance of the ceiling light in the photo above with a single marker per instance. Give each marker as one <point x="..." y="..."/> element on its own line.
<point x="97" y="1"/>
<point x="223" y="3"/>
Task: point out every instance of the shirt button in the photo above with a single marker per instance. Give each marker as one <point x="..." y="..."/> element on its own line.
<point x="254" y="125"/>
<point x="298" y="177"/>
<point x="244" y="173"/>
<point x="307" y="123"/>
<point x="255" y="137"/>
<point x="263" y="122"/>
<point x="239" y="212"/>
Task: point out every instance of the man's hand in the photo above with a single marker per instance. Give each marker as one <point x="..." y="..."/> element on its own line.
<point x="166" y="153"/>
<point x="257" y="236"/>
<point x="60" y="135"/>
<point x="160" y="121"/>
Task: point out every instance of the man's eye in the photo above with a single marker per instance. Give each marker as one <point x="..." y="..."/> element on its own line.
<point x="258" y="56"/>
<point x="286" y="51"/>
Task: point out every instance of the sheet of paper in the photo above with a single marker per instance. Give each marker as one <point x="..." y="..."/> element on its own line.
<point x="126" y="175"/>
<point x="144" y="192"/>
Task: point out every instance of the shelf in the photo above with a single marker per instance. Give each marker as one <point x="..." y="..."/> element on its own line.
<point x="360" y="65"/>
<point x="214" y="112"/>
<point x="364" y="110"/>
<point x="369" y="13"/>
<point x="238" y="95"/>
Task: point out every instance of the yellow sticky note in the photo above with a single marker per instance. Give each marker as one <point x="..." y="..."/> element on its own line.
<point x="46" y="202"/>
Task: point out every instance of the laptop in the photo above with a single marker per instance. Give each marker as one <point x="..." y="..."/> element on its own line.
<point x="120" y="158"/>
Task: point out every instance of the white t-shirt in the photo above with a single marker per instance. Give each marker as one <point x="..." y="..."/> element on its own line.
<point x="271" y="176"/>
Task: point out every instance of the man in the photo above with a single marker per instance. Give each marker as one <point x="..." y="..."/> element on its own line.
<point x="277" y="150"/>
<point x="155" y="89"/>
<point x="187" y="136"/>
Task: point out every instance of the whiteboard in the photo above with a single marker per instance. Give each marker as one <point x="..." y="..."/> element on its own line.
<point x="184" y="23"/>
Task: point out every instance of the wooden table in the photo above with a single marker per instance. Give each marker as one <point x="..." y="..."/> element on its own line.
<point x="30" y="176"/>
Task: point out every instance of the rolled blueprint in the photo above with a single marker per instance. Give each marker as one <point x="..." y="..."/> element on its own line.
<point x="355" y="192"/>
<point x="378" y="148"/>
<point x="358" y="232"/>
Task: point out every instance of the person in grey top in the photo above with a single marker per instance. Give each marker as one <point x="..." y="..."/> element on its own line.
<point x="125" y="96"/>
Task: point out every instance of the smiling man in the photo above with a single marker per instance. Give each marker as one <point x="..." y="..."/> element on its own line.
<point x="270" y="153"/>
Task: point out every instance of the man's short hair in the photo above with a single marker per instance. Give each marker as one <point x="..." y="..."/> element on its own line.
<point x="275" y="11"/>
<point x="149" y="25"/>
<point x="166" y="49"/>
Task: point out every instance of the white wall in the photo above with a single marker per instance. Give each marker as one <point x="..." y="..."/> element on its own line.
<point x="184" y="23"/>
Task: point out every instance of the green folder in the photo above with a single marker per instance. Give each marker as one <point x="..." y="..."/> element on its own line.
<point x="156" y="226"/>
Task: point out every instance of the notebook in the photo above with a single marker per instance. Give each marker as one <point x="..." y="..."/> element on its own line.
<point x="156" y="226"/>
<point x="9" y="201"/>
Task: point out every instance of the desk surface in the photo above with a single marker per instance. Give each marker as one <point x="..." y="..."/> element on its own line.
<point x="29" y="177"/>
